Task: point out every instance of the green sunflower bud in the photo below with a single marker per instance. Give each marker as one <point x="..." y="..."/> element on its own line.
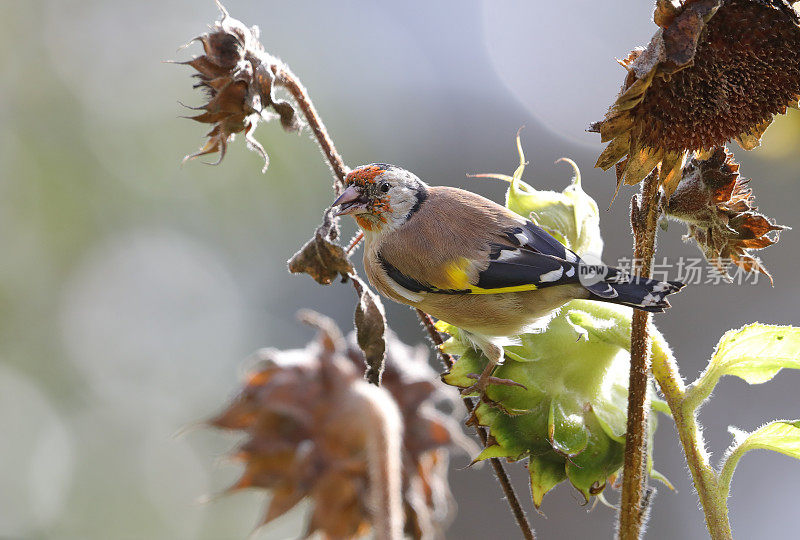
<point x="569" y="421"/>
<point x="571" y="216"/>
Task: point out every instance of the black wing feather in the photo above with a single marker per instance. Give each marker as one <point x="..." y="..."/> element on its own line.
<point x="515" y="267"/>
<point x="531" y="257"/>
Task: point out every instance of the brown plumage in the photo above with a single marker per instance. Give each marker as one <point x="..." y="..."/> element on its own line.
<point x="473" y="223"/>
<point x="473" y="263"/>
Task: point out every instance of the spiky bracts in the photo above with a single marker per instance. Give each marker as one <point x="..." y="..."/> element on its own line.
<point x="716" y="70"/>
<point x="239" y="78"/>
<point x="309" y="437"/>
<point x="568" y="422"/>
<point x="717" y="206"/>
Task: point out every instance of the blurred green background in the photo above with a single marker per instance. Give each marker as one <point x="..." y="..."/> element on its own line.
<point x="132" y="289"/>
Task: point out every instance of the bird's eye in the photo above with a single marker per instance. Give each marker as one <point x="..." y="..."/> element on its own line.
<point x="385" y="187"/>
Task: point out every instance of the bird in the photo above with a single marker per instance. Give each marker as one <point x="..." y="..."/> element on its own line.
<point x="473" y="263"/>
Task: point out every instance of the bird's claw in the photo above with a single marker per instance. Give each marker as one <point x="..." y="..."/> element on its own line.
<point x="482" y="381"/>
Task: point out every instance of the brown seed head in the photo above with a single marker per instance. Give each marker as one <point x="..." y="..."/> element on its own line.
<point x="238" y="77"/>
<point x="304" y="441"/>
<point x="717" y="206"/>
<point x="717" y="70"/>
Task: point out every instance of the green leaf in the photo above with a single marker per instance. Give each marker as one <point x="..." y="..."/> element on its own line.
<point x="612" y="413"/>
<point x="495" y="451"/>
<point x="781" y="436"/>
<point x="588" y="471"/>
<point x="454" y="345"/>
<point x="661" y="406"/>
<point x="757" y="352"/>
<point x="516" y="436"/>
<point x="602" y="325"/>
<point x="655" y="475"/>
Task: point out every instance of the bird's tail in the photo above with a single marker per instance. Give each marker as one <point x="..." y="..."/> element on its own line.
<point x="618" y="287"/>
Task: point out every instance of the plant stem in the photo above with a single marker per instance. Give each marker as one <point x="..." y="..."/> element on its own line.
<point x="726" y="474"/>
<point x="709" y="487"/>
<point x="705" y="479"/>
<point x="634" y="478"/>
<point x="700" y="390"/>
<point x="497" y="465"/>
<point x="354" y="242"/>
<point x="292" y="83"/>
<point x="382" y="423"/>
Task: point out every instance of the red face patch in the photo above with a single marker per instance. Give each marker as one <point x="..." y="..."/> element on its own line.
<point x="364" y="177"/>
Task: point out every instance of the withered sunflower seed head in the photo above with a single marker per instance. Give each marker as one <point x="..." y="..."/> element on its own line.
<point x="718" y="208"/>
<point x="303" y="442"/>
<point x="716" y="71"/>
<point x="239" y="80"/>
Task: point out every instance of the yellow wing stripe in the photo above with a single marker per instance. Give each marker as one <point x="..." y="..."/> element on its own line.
<point x="516" y="288"/>
<point x="457" y="278"/>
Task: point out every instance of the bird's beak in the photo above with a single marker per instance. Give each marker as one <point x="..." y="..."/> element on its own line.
<point x="351" y="201"/>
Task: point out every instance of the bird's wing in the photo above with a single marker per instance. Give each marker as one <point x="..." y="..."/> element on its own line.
<point x="473" y="249"/>
<point x="531" y="259"/>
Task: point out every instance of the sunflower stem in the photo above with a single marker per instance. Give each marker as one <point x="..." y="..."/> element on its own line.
<point x="295" y="87"/>
<point x="710" y="487"/>
<point x="633" y="505"/>
<point x="383" y="424"/>
<point x="682" y="404"/>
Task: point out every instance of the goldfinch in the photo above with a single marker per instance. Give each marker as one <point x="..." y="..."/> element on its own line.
<point x="473" y="263"/>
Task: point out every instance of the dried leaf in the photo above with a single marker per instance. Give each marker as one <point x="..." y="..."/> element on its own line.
<point x="370" y="324"/>
<point x="615" y="151"/>
<point x="641" y="162"/>
<point x="283" y="500"/>
<point x="330" y="337"/>
<point x="321" y="257"/>
<point x="670" y="173"/>
<point x="665" y="13"/>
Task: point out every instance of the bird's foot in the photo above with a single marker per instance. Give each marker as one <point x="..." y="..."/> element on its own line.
<point x="482" y="382"/>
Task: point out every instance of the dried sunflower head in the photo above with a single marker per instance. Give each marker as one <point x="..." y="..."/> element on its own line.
<point x="239" y="78"/>
<point x="307" y="437"/>
<point x="717" y="206"/>
<point x="716" y="70"/>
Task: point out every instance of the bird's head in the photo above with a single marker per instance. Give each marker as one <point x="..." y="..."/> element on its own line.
<point x="381" y="197"/>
